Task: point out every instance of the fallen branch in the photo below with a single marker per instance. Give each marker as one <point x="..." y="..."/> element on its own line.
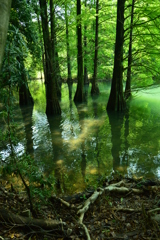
<point x="153" y="210"/>
<point x="12" y="218"/>
<point x="52" y="198"/>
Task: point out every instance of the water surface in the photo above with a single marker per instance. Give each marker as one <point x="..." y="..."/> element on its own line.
<point x="86" y="143"/>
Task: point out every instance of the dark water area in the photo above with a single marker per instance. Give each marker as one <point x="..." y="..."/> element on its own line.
<point x="85" y="143"/>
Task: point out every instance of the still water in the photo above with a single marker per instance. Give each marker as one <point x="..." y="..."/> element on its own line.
<point x="86" y="143"/>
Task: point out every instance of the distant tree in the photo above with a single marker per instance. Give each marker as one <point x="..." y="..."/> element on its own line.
<point x="85" y="50"/>
<point x="52" y="106"/>
<point x="116" y="100"/>
<point x="95" y="89"/>
<point x="78" y="98"/>
<point x="69" y="77"/>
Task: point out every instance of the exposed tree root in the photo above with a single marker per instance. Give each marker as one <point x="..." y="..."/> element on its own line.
<point x="118" y="188"/>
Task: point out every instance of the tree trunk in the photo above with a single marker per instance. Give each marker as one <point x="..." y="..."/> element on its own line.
<point x="95" y="89"/>
<point x="69" y="78"/>
<point x="5" y="6"/>
<point x="52" y="103"/>
<point x="116" y="99"/>
<point x="58" y="75"/>
<point x="55" y="63"/>
<point x="25" y="97"/>
<point x="78" y="98"/>
<point x="41" y="44"/>
<point x="86" y="82"/>
<point x="128" y="82"/>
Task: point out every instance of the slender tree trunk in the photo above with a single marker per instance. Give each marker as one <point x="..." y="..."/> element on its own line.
<point x="58" y="75"/>
<point x="5" y="6"/>
<point x="116" y="100"/>
<point x="52" y="103"/>
<point x="41" y="43"/>
<point x="95" y="89"/>
<point x="86" y="82"/>
<point x="78" y="98"/>
<point x="128" y="82"/>
<point x="55" y="63"/>
<point x="69" y="79"/>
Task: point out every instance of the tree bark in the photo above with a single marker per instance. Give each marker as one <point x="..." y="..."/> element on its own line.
<point x="69" y="78"/>
<point x="55" y="63"/>
<point x="86" y="82"/>
<point x="5" y="6"/>
<point x="25" y="97"/>
<point x="78" y="98"/>
<point x="128" y="82"/>
<point x="52" y="103"/>
<point x="116" y="100"/>
<point x="95" y="89"/>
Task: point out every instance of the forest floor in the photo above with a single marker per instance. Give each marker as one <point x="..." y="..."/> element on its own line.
<point x="120" y="209"/>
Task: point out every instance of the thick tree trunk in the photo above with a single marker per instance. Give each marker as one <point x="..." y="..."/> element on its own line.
<point x="128" y="82"/>
<point x="95" y="89"/>
<point x="78" y="98"/>
<point x="5" y="6"/>
<point x="55" y="63"/>
<point x="52" y="103"/>
<point x="25" y="97"/>
<point x="116" y="99"/>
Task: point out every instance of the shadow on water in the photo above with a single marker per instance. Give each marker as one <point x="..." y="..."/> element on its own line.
<point x="119" y="153"/>
<point x="58" y="154"/>
<point x="82" y="114"/>
<point x="27" y="119"/>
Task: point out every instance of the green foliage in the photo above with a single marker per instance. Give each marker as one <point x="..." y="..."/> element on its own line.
<point x="19" y="164"/>
<point x="15" y="54"/>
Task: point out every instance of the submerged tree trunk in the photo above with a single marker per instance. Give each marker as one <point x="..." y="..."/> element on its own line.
<point x="95" y="89"/>
<point x="52" y="103"/>
<point x="5" y="6"/>
<point x="128" y="82"/>
<point x="116" y="100"/>
<point x="78" y="98"/>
